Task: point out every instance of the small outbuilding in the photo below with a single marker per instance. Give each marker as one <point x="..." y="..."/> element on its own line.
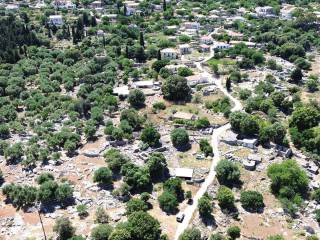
<point x="184" y="116"/>
<point x="249" y="143"/>
<point x="185" y="173"/>
<point x="56" y="20"/>
<point x="122" y="91"/>
<point x="144" y="84"/>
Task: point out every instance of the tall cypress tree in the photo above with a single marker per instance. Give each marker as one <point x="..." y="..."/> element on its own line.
<point x="124" y="10"/>
<point x="228" y="84"/>
<point x="141" y="39"/>
<point x="164" y="5"/>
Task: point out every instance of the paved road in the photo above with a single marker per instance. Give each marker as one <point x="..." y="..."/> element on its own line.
<point x="189" y="211"/>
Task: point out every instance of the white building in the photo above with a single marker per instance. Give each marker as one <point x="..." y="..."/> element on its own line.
<point x="221" y="45"/>
<point x="185" y="173"/>
<point x="249" y="143"/>
<point x="12" y="8"/>
<point x="184" y="49"/>
<point x="194" y="80"/>
<point x="121" y="91"/>
<point x="143" y="84"/>
<point x="192" y="25"/>
<point x="132" y="7"/>
<point x="264" y="11"/>
<point x="96" y="4"/>
<point x="40" y="5"/>
<point x="63" y="4"/>
<point x="204" y="48"/>
<point x="100" y="33"/>
<point x="157" y="7"/>
<point x="287" y="11"/>
<point x="56" y="20"/>
<point x="206" y="40"/>
<point x="169" y="53"/>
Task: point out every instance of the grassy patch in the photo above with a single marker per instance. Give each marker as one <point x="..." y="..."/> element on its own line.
<point x="223" y="61"/>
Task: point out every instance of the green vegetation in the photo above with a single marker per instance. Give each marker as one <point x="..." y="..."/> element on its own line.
<point x="304" y="128"/>
<point x="205" y="206"/>
<point x="63" y="228"/>
<point x="171" y="195"/>
<point x="150" y="136"/>
<point x="234" y="232"/>
<point x="179" y="138"/>
<point x="251" y="200"/>
<point x="225" y="197"/>
<point x="228" y="173"/>
<point x="289" y="184"/>
<point x="135" y="205"/>
<point x="176" y="88"/>
<point x="101" y="232"/>
<point x="23" y="196"/>
<point x="136" y="98"/>
<point x="205" y="147"/>
<point x="191" y="234"/>
<point x="221" y="105"/>
<point x="103" y="175"/>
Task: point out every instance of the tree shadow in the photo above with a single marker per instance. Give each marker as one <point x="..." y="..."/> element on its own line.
<point x="50" y="207"/>
<point x="208" y="220"/>
<point x="255" y="210"/>
<point x="107" y="187"/>
<point x="231" y="211"/>
<point x="183" y="148"/>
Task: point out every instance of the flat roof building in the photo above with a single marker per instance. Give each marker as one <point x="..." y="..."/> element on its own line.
<point x="185" y="173"/>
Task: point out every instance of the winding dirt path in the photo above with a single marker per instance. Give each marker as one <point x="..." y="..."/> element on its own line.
<point x="189" y="211"/>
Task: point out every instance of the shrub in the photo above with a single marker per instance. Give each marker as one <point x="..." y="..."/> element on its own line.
<point x="205" y="147"/>
<point x="136" y="98"/>
<point x="101" y="232"/>
<point x="317" y="215"/>
<point x="316" y="195"/>
<point x="228" y="173"/>
<point x="205" y="206"/>
<point x="168" y="202"/>
<point x="216" y="236"/>
<point x="176" y="88"/>
<point x="275" y="237"/>
<point x="234" y="232"/>
<point x="135" y="205"/>
<point x="151" y="136"/>
<point x="44" y="177"/>
<point x="103" y="175"/>
<point x="287" y="175"/>
<point x="251" y="200"/>
<point x="225" y="197"/>
<point x="101" y="216"/>
<point x="115" y="159"/>
<point x="191" y="234"/>
<point x="82" y="210"/>
<point x="159" y="106"/>
<point x="63" y="228"/>
<point x="174" y="185"/>
<point x="179" y="137"/>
